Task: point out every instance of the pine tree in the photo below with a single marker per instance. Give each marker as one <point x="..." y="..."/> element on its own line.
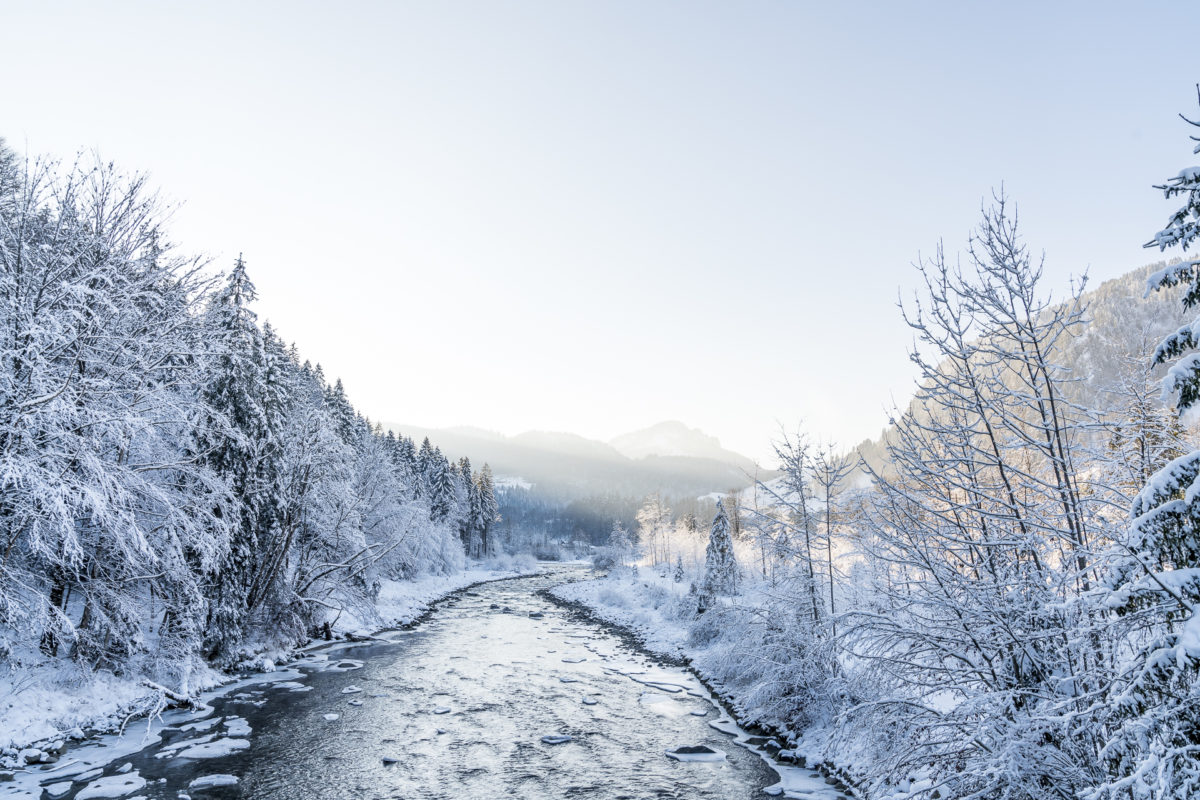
<point x="1155" y="752"/>
<point x="720" y="565"/>
<point x="679" y="574"/>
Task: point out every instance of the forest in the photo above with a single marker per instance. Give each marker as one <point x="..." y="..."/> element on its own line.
<point x="180" y="488"/>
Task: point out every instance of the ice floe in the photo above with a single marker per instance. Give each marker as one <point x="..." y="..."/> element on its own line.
<point x="209" y="781"/>
<point x="57" y="790"/>
<point x="214" y="749"/>
<point x="112" y="786"/>
<point x="236" y="726"/>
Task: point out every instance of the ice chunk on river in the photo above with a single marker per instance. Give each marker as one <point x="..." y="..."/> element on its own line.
<point x="215" y="749"/>
<point x="57" y="790"/>
<point x="209" y="781"/>
<point x="112" y="786"/>
<point x="236" y="726"/>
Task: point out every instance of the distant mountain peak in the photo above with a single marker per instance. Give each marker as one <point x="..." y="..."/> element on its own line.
<point x="672" y="438"/>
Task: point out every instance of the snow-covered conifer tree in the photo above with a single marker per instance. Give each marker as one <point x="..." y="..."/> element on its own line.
<point x="720" y="565"/>
<point x="489" y="510"/>
<point x="1154" y="752"/>
<point x="231" y="441"/>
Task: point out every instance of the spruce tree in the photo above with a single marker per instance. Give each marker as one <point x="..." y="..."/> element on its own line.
<point x="1154" y="751"/>
<point x="441" y="487"/>
<point x="720" y="566"/>
<point x="470" y="528"/>
<point x="230" y="441"/>
<point x="489" y="509"/>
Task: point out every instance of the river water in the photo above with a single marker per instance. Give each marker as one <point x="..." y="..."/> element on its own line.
<point x="456" y="707"/>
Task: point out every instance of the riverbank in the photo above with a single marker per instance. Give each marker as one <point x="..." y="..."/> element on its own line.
<point x="46" y="704"/>
<point x="498" y="693"/>
<point x="658" y="615"/>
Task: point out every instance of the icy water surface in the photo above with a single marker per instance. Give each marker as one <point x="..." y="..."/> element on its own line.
<point x="499" y="694"/>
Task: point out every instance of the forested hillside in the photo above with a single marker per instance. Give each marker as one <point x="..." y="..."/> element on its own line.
<point x="559" y="487"/>
<point x="1103" y="362"/>
<point x="178" y="486"/>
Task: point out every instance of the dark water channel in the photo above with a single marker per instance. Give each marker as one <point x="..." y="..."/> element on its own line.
<point x="457" y="708"/>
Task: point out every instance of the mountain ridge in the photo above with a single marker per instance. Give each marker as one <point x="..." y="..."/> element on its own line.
<point x="667" y="457"/>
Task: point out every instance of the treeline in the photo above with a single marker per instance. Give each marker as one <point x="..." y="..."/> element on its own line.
<point x="177" y="484"/>
<point x="530" y="516"/>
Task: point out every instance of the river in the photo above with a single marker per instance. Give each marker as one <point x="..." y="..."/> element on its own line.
<point x="456" y="707"/>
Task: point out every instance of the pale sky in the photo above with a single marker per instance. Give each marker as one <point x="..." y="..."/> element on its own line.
<point x="595" y="216"/>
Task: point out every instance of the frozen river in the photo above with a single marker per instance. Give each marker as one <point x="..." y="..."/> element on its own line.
<point x="466" y="705"/>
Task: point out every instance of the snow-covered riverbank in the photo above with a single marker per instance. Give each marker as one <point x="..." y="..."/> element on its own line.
<point x="56" y="700"/>
<point x="660" y="614"/>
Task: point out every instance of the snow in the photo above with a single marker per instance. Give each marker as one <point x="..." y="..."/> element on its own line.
<point x="236" y="726"/>
<point x="52" y="699"/>
<point x="210" y="781"/>
<point x="214" y="749"/>
<point x="202" y="725"/>
<point x="112" y="786"/>
<point x="332" y="717"/>
<point x="1189" y="640"/>
<point x="557" y="739"/>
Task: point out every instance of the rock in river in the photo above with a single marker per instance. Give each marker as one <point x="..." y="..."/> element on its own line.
<point x="695" y="753"/>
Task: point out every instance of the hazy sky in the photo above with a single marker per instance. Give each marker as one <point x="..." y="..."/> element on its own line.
<point x="595" y="216"/>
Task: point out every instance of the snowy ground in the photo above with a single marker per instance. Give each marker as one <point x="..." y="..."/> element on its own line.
<point x="58" y="700"/>
<point x="649" y="606"/>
